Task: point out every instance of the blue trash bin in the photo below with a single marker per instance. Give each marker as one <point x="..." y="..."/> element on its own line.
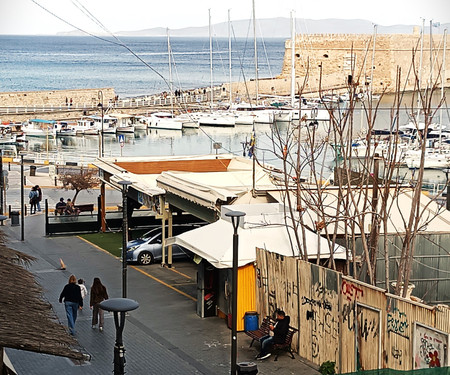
<point x="251" y="321"/>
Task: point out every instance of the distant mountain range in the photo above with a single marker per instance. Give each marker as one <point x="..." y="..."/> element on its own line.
<point x="277" y="28"/>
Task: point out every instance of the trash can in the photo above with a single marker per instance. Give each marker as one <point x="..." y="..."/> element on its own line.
<point x="251" y="321"/>
<point x="32" y="170"/>
<point x="14" y="215"/>
<point x="247" y="368"/>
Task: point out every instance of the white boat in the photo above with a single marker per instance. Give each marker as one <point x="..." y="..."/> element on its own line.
<point x="259" y="113"/>
<point x="163" y="120"/>
<point x="187" y="121"/>
<point x="85" y="127"/>
<point x="124" y="122"/>
<point x="433" y="158"/>
<point x="65" y="129"/>
<point x="217" y="119"/>
<point x="139" y="123"/>
<point x="39" y="128"/>
<point x="109" y="124"/>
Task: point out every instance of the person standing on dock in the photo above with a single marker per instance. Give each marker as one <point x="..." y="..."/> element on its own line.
<point x="39" y="191"/>
<point x="34" y="197"/>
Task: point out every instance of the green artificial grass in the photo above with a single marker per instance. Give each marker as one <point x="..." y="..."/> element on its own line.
<point x="110" y="241"/>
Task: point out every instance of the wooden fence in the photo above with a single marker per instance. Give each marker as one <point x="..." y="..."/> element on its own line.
<point x="356" y="325"/>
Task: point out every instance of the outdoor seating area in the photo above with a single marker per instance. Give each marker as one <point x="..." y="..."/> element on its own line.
<point x="264" y="330"/>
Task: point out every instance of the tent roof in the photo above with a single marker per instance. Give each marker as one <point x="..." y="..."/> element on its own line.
<point x="214" y="242"/>
<point x="435" y="218"/>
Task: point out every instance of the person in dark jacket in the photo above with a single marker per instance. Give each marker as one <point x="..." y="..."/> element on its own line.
<point x="72" y="301"/>
<point x="98" y="294"/>
<point x="279" y="329"/>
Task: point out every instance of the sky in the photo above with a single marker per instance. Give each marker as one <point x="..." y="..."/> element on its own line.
<point x="24" y="17"/>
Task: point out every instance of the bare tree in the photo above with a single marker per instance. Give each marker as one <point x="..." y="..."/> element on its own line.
<point x="85" y="180"/>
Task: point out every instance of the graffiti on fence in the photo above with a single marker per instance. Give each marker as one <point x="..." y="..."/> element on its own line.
<point x="430" y="347"/>
<point x="397" y="322"/>
<point x="368" y="327"/>
<point x="348" y="315"/>
<point x="351" y="291"/>
<point x="397" y="354"/>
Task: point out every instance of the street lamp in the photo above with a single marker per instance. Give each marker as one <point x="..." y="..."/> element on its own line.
<point x="22" y="201"/>
<point x="119" y="305"/>
<point x="447" y="205"/>
<point x="125" y="185"/>
<point x="100" y="106"/>
<point x="235" y="217"/>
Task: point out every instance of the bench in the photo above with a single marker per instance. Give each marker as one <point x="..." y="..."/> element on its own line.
<point x="264" y="331"/>
<point x="286" y="345"/>
<point x="261" y="331"/>
<point x="89" y="207"/>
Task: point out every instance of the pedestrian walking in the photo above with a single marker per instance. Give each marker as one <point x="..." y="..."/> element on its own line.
<point x="98" y="294"/>
<point x="83" y="288"/>
<point x="34" y="198"/>
<point x="72" y="302"/>
<point x="39" y="191"/>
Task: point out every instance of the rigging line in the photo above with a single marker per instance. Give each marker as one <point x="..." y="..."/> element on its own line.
<point x="121" y="44"/>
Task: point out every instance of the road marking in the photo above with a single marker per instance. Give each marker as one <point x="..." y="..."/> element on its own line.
<point x="164" y="283"/>
<point x="143" y="272"/>
<point x="180" y="273"/>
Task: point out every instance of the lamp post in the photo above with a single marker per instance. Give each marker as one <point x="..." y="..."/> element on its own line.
<point x="447" y="202"/>
<point x="119" y="305"/>
<point x="22" y="202"/>
<point x="235" y="217"/>
<point x="124" y="185"/>
<point x="100" y="106"/>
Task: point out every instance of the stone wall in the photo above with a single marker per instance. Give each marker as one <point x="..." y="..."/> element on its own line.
<point x="337" y="56"/>
<point x="46" y="98"/>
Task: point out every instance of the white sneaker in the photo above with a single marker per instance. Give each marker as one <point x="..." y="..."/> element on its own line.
<point x="100" y="329"/>
<point x="265" y="356"/>
<point x="93" y="326"/>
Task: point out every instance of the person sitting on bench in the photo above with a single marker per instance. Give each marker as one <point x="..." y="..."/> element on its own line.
<point x="60" y="207"/>
<point x="279" y="329"/>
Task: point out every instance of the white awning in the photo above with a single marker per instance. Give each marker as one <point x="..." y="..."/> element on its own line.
<point x="214" y="242"/>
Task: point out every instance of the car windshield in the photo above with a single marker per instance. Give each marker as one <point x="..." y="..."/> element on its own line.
<point x="149" y="234"/>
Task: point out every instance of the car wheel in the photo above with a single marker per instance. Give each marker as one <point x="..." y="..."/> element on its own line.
<point x="145" y="258"/>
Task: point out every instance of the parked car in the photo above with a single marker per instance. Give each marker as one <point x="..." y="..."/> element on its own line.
<point x="148" y="248"/>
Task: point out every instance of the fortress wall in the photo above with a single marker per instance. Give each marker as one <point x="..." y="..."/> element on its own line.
<point x="335" y="54"/>
<point x="55" y="97"/>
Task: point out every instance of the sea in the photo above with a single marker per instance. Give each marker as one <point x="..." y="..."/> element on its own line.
<point x="134" y="66"/>
<point x="138" y="66"/>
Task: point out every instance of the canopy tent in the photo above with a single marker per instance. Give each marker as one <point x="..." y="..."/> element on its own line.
<point x="214" y="242"/>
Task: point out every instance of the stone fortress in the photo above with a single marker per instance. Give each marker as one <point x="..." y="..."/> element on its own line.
<point x="342" y="58"/>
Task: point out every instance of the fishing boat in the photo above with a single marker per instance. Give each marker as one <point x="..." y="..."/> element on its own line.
<point x="39" y="128"/>
<point x="163" y="120"/>
<point x="124" y="123"/>
<point x="85" y="127"/>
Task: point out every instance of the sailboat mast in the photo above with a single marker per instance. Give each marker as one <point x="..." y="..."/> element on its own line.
<point x="210" y="61"/>
<point x="256" y="54"/>
<point x="442" y="88"/>
<point x="420" y="69"/>
<point x="293" y="41"/>
<point x="229" y="53"/>
<point x="373" y="61"/>
<point x="169" y="51"/>
<point x="431" y="52"/>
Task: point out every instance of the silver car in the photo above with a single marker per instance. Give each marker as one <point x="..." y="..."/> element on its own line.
<point x="148" y="248"/>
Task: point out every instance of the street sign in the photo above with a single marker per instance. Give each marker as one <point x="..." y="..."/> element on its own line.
<point x="121" y="140"/>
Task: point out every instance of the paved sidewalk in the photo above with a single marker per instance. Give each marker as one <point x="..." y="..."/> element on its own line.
<point x="163" y="336"/>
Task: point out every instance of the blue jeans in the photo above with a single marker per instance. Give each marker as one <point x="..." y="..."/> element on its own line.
<point x="71" y="312"/>
<point x="38" y="204"/>
<point x="266" y="343"/>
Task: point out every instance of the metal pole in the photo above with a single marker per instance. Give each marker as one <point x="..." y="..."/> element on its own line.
<point x="235" y="217"/>
<point x="119" y="350"/>
<point x="125" y="185"/>
<point x="100" y="97"/>
<point x="22" y="202"/>
<point x="125" y="241"/>
<point x="234" y="302"/>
